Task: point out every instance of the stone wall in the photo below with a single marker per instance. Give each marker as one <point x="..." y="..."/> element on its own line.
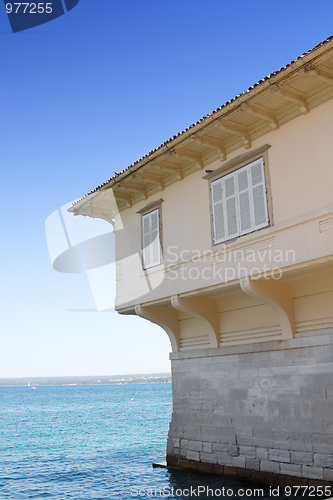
<point x="265" y="407"/>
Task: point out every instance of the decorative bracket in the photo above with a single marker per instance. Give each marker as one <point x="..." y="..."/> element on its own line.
<point x="261" y="112"/>
<point x="152" y="178"/>
<point x="201" y="308"/>
<point x="166" y="318"/>
<point x="278" y="296"/>
<point x="210" y="142"/>
<point x="238" y="129"/>
<point x="136" y="189"/>
<point x="324" y="75"/>
<point x="292" y="95"/>
<point x="169" y="167"/>
<point x="123" y="197"/>
<point x="189" y="155"/>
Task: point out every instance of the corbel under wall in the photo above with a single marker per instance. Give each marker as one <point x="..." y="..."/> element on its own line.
<point x="164" y="316"/>
<point x="202" y="308"/>
<point x="276" y="295"/>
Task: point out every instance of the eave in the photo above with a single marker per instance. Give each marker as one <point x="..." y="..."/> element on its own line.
<point x="277" y="99"/>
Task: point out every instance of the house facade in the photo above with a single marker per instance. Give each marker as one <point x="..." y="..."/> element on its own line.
<point x="224" y="238"/>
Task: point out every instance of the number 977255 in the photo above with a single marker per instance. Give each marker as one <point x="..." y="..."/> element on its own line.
<point x="28" y="8"/>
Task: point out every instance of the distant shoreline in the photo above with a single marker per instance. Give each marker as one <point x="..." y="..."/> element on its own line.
<point x="151" y="378"/>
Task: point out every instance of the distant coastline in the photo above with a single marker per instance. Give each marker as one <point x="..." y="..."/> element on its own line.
<point x="151" y="378"/>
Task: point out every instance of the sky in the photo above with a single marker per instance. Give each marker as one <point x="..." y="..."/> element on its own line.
<point x="86" y="95"/>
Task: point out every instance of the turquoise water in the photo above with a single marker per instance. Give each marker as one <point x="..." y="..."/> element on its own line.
<point x="94" y="442"/>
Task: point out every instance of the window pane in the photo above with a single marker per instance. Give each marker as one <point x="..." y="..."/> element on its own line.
<point x="230" y="186"/>
<point x="217" y="191"/>
<point x="256" y="173"/>
<point x="244" y="210"/>
<point x="231" y="216"/>
<point x="259" y="204"/>
<point x="218" y="222"/>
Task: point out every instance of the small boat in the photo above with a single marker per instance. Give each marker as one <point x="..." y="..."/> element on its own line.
<point x="33" y="387"/>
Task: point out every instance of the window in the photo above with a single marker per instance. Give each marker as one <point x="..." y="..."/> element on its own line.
<point x="151" y="246"/>
<point x="239" y="202"/>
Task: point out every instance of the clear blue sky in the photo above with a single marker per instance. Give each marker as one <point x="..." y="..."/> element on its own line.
<point x="86" y="95"/>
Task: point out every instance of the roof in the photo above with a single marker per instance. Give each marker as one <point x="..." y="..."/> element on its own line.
<point x="272" y="101"/>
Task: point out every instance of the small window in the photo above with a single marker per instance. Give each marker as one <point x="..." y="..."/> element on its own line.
<point x="151" y="246"/>
<point x="239" y="202"/>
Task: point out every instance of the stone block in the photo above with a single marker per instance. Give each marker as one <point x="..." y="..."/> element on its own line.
<point x="195" y="445"/>
<point x="262" y="453"/>
<point x="268" y="466"/>
<point x="209" y="433"/>
<point x="184" y="443"/>
<point x="291" y="469"/>
<point x="323" y="408"/>
<point x="301" y="457"/>
<point x="224" y="459"/>
<point x="263" y="442"/>
<point x="175" y="442"/>
<point x="328" y="425"/>
<point x="313" y="392"/>
<point x="328" y="476"/>
<point x="244" y="441"/>
<point x="244" y="431"/>
<point x="221" y="419"/>
<point x="192" y="455"/>
<point x="207" y="447"/>
<point x="322" y="447"/>
<point x="191" y="432"/>
<point x="300" y="446"/>
<point x="247" y="451"/>
<point x="312" y="472"/>
<point x="252" y="463"/>
<point x="169" y="447"/>
<point x="210" y="458"/>
<point x="233" y="450"/>
<point x="279" y="456"/>
<point x="221" y="447"/>
<point x="302" y="409"/>
<point x="238" y="394"/>
<point x="262" y="431"/>
<point x="282" y="445"/>
<point x="321" y="460"/>
<point x="225" y="435"/>
<point x="323" y="379"/>
<point x="238" y="461"/>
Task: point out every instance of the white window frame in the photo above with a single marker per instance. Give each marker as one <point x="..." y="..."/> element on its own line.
<point x="229" y="197"/>
<point x="151" y="233"/>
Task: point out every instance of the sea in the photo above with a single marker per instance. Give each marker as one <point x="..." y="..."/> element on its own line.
<point x="88" y="442"/>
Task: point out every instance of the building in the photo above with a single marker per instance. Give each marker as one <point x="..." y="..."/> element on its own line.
<point x="224" y="238"/>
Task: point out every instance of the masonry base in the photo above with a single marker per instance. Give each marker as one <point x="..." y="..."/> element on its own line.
<point x="268" y="478"/>
<point x="260" y="410"/>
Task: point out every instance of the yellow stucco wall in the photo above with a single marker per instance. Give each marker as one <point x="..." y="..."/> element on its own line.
<point x="300" y="163"/>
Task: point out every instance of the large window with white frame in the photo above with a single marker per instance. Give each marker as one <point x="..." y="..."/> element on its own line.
<point x="239" y="202"/>
<point x="151" y="239"/>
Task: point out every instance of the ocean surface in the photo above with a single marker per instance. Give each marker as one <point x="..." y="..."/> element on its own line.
<point x="97" y="442"/>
